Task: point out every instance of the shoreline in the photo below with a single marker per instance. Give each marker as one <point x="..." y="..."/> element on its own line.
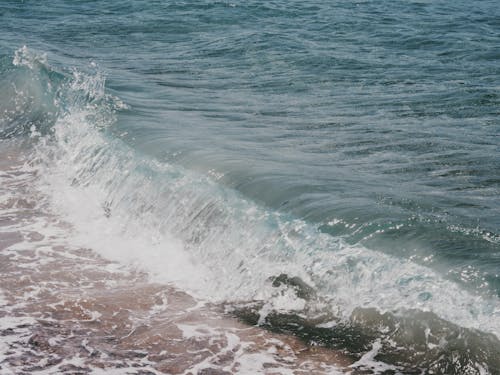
<point x="65" y="309"/>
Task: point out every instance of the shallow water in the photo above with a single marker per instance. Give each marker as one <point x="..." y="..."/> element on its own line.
<point x="65" y="309"/>
<point x="328" y="170"/>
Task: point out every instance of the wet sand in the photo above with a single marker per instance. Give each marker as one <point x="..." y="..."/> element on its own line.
<point x="65" y="309"/>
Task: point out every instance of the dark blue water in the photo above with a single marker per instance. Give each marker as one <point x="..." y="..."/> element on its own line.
<point x="368" y="129"/>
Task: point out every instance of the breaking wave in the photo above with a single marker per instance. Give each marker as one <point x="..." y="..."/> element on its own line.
<point x="264" y="266"/>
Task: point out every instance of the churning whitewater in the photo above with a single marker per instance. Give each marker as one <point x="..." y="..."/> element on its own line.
<point x="266" y="186"/>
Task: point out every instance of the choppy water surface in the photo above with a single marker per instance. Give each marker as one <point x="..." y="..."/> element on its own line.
<point x="325" y="169"/>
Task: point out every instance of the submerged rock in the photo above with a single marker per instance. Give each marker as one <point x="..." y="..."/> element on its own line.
<point x="302" y="289"/>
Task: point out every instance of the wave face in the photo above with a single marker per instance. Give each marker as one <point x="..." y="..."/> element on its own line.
<point x="312" y="179"/>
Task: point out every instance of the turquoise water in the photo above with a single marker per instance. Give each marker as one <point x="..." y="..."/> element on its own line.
<point x="355" y="144"/>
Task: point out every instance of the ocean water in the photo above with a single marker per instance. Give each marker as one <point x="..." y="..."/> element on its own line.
<point x="324" y="169"/>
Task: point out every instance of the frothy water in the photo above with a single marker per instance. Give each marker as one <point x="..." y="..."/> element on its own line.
<point x="65" y="309"/>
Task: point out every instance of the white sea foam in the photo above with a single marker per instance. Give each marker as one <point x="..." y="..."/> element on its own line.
<point x="161" y="254"/>
<point x="349" y="276"/>
<point x="368" y="361"/>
